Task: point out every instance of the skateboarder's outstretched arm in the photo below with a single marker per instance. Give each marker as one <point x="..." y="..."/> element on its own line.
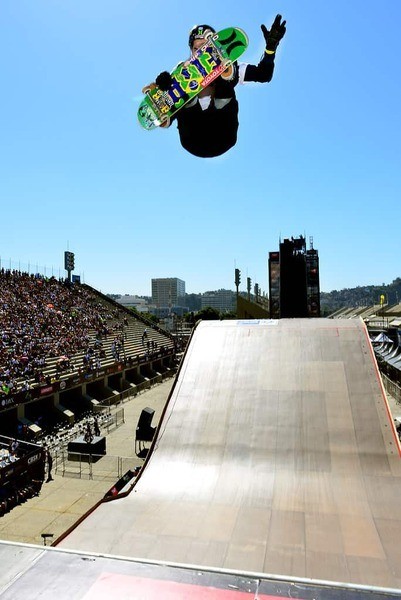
<point x="263" y="72"/>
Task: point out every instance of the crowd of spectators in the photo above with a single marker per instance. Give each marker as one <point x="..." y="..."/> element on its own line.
<point x="43" y="318"/>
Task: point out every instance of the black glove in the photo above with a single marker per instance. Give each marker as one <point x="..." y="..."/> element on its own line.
<point x="275" y="34"/>
<point x="164" y="81"/>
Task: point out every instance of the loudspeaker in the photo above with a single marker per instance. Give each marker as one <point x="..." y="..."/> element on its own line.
<point x="145" y="418"/>
<point x="144" y="431"/>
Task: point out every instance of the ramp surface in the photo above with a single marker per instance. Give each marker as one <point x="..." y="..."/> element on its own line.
<point x="276" y="454"/>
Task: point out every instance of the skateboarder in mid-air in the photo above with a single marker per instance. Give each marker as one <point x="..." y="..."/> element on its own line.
<point x="208" y="124"/>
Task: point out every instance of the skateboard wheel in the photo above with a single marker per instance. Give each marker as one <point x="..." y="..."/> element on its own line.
<point x="148" y="88"/>
<point x="165" y="122"/>
<point x="228" y="73"/>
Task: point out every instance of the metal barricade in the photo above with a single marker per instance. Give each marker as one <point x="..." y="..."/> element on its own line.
<point x="91" y="466"/>
<point x="391" y="388"/>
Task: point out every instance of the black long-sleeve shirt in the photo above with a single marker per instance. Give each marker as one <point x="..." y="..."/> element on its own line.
<point x="262" y="72"/>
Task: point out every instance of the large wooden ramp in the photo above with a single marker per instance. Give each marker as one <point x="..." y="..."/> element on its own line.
<point x="276" y="454"/>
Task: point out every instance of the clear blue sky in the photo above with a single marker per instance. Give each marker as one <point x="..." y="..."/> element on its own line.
<point x="319" y="149"/>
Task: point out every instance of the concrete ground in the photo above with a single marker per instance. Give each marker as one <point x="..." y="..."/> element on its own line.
<point x="65" y="499"/>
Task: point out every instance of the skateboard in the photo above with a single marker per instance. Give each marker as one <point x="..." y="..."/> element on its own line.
<point x="216" y="55"/>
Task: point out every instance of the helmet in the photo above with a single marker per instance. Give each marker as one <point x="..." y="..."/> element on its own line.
<point x="199" y="32"/>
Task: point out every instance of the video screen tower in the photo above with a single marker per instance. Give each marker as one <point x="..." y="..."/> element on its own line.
<point x="294" y="289"/>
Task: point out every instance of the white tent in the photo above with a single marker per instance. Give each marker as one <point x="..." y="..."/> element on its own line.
<point x="382" y="337"/>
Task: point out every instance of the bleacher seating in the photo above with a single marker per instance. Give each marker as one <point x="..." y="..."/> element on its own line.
<point x="52" y="331"/>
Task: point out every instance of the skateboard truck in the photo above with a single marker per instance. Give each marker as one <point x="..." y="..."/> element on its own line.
<point x="46" y="536"/>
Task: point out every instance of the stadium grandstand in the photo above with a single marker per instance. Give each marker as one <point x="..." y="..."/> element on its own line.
<point x="68" y="345"/>
<point x="66" y="352"/>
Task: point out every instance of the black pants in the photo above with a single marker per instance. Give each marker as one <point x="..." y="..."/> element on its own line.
<point x="211" y="132"/>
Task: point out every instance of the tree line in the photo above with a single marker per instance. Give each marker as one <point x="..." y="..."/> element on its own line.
<point x="367" y="295"/>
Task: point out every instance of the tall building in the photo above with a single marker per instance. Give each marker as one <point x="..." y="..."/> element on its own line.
<point x="294" y="288"/>
<point x="168" y="292"/>
<point x="221" y="300"/>
<point x="133" y="302"/>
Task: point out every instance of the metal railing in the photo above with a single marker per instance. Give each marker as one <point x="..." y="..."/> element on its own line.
<point x="91" y="466"/>
<point x="391" y="388"/>
<point x="113" y="420"/>
<point x="75" y="464"/>
<point x="32" y="268"/>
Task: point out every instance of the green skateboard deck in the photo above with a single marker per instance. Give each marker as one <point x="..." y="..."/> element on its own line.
<point x="220" y="50"/>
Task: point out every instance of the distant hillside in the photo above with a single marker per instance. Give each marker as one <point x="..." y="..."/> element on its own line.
<point x="360" y="296"/>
